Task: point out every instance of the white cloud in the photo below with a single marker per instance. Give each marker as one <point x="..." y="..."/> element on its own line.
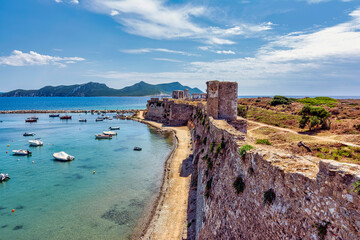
<point x="75" y="1"/>
<point x="327" y="52"/>
<point x="58" y="1"/>
<point x="148" y="50"/>
<point x="225" y="52"/>
<point x="167" y="60"/>
<point x="156" y="19"/>
<point x="320" y="1"/>
<point x="114" y="13"/>
<point x="18" y="58"/>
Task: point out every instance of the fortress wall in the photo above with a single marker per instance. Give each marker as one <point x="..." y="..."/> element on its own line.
<point x="313" y="200"/>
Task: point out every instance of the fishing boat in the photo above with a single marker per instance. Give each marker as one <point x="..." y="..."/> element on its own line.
<point x="63" y="156"/>
<point x="102" y="136"/>
<point x="82" y="120"/>
<point x="111" y="133"/>
<point x="35" y="143"/>
<point x="99" y="119"/>
<point x="27" y="134"/>
<point x="34" y="117"/>
<point x="4" y="177"/>
<point x="137" y="148"/>
<point x="21" y="152"/>
<point x="65" y="117"/>
<point x="30" y="120"/>
<point x="54" y="115"/>
<point x="114" y="128"/>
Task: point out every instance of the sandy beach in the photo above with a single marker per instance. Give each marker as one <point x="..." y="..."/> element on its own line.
<point x="168" y="218"/>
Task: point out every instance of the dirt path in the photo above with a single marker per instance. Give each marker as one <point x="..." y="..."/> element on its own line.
<point x="295" y="132"/>
<point x="169" y="220"/>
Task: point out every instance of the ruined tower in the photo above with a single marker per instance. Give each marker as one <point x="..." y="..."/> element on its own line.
<point x="222" y="99"/>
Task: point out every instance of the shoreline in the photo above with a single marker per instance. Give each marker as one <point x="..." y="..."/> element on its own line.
<point x="69" y="111"/>
<point x="166" y="218"/>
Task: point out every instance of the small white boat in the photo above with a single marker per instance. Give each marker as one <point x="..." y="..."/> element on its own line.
<point x="28" y="134"/>
<point x="99" y="119"/>
<point x="103" y="136"/>
<point x="82" y="120"/>
<point x="137" y="148"/>
<point x="111" y="133"/>
<point x="63" y="156"/>
<point x="114" y="128"/>
<point x="4" y="177"/>
<point x="21" y="152"/>
<point x="35" y="143"/>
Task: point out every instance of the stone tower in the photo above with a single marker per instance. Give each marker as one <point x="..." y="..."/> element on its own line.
<point x="222" y="100"/>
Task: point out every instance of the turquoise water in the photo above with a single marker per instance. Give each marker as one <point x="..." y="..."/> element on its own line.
<point x="72" y="103"/>
<point x="65" y="200"/>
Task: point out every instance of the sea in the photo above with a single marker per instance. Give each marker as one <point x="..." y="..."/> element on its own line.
<point x="102" y="194"/>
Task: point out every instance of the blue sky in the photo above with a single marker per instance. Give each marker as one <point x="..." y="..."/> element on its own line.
<point x="290" y="47"/>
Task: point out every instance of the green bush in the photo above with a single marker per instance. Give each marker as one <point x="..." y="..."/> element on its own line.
<point x="239" y="185"/>
<point x="212" y="145"/>
<point x="314" y="117"/>
<point x="357" y="187"/>
<point x="263" y="141"/>
<point x="269" y="196"/>
<point x="318" y="101"/>
<point x="241" y="111"/>
<point x="244" y="149"/>
<point x="280" y="100"/>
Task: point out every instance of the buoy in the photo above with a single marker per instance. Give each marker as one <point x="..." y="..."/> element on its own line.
<point x="18" y="159"/>
<point x="12" y="140"/>
<point x="8" y="145"/>
<point x="13" y="210"/>
<point x="32" y="161"/>
<point x="93" y="172"/>
<point x="6" y="152"/>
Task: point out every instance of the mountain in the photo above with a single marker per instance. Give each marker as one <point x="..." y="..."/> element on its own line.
<point x="93" y="89"/>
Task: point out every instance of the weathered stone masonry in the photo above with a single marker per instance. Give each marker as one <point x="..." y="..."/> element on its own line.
<point x="312" y="201"/>
<point x="282" y="196"/>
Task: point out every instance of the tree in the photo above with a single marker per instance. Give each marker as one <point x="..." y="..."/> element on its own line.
<point x="314" y="117"/>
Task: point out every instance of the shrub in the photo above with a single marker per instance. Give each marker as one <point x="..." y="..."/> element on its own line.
<point x="269" y="196"/>
<point x="244" y="149"/>
<point x="263" y="141"/>
<point x="314" y="117"/>
<point x="318" y="101"/>
<point x="203" y="121"/>
<point x="280" y="100"/>
<point x="357" y="187"/>
<point x="212" y="145"/>
<point x="322" y="229"/>
<point x="241" y="111"/>
<point x="239" y="185"/>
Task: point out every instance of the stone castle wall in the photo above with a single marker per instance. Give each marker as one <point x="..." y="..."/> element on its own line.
<point x="304" y="198"/>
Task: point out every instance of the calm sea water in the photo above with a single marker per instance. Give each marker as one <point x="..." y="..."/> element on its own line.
<point x="72" y="103"/>
<point x="65" y="200"/>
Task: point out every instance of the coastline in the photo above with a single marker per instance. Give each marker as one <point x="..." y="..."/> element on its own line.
<point x="167" y="217"/>
<point x="67" y="111"/>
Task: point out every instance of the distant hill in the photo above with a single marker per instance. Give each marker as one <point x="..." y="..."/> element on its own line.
<point x="93" y="89"/>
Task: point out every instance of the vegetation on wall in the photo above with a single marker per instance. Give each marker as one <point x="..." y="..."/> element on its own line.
<point x="269" y="196"/>
<point x="241" y="111"/>
<point x="239" y="185"/>
<point x="322" y="229"/>
<point x="243" y="149"/>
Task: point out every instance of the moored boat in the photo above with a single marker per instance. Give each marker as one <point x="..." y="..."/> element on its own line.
<point x="4" y="177"/>
<point x="99" y="119"/>
<point x="102" y="136"/>
<point x="65" y="117"/>
<point x="30" y="120"/>
<point x="137" y="148"/>
<point x="82" y="120"/>
<point x="54" y="115"/>
<point x="63" y="156"/>
<point x="114" y="128"/>
<point x="28" y="134"/>
<point x="35" y="143"/>
<point x="111" y="133"/>
<point x="21" y="152"/>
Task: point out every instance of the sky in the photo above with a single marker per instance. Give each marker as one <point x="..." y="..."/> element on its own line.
<point x="287" y="47"/>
